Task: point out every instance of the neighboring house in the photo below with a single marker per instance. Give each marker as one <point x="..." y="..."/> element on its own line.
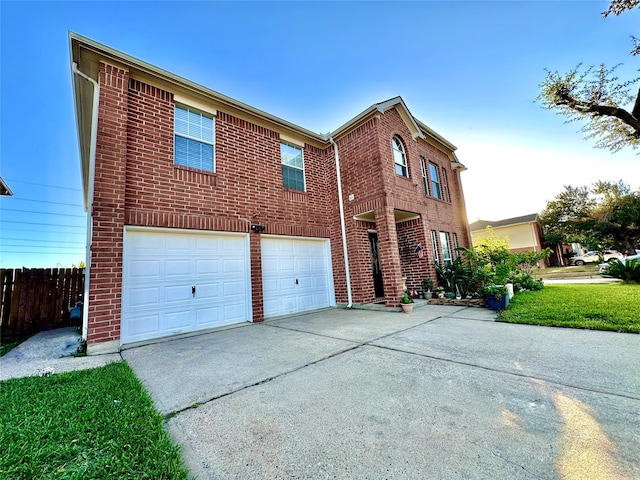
<point x="523" y="233"/>
<point x="4" y="188"/>
<point x="204" y="211"/>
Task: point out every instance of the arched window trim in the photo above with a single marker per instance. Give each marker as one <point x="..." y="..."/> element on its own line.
<point x="399" y="156"/>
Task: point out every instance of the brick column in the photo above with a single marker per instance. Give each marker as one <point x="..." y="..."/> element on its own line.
<point x="389" y="255"/>
<point x="257" y="297"/>
<point x="105" y="289"/>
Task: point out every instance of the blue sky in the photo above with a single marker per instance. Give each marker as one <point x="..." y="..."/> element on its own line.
<point x="469" y="70"/>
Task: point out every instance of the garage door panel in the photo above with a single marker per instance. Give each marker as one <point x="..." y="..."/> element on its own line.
<point x="144" y="297"/>
<point x="208" y="291"/>
<point x="177" y="320"/>
<point x="177" y="268"/>
<point x="138" y="325"/>
<point x="179" y="244"/>
<point x="207" y="267"/>
<point x="234" y="266"/>
<point x="207" y="317"/>
<point x="306" y="302"/>
<point x="293" y="270"/>
<point x="177" y="293"/>
<point x="144" y="268"/>
<point x="233" y="311"/>
<point x="158" y="281"/>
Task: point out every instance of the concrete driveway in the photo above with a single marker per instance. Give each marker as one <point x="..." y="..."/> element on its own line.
<point x="443" y="393"/>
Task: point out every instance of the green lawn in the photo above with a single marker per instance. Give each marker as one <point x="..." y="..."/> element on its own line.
<point x="90" y="424"/>
<point x="609" y="306"/>
<point x="574" y="271"/>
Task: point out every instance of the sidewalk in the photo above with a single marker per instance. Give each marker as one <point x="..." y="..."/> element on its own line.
<point x="49" y="352"/>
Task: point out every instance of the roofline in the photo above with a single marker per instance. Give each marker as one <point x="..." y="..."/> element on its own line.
<point x="421" y="129"/>
<point x="488" y="223"/>
<point x="136" y="63"/>
<point x="5" y="188"/>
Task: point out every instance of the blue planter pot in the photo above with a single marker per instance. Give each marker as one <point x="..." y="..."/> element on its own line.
<point x="495" y="304"/>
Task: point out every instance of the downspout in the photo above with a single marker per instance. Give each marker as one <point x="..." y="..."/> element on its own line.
<point x="92" y="168"/>
<point x="342" y="225"/>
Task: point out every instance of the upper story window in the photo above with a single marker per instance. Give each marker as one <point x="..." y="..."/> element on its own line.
<point x="399" y="157"/>
<point x="445" y="186"/>
<point x="292" y="166"/>
<point x="193" y="138"/>
<point x="425" y="179"/>
<point x="435" y="181"/>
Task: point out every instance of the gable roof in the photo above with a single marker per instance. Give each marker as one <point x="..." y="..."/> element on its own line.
<point x="4" y="188"/>
<point x="482" y="224"/>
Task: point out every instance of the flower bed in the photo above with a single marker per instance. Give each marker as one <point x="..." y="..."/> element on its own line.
<point x="463" y="302"/>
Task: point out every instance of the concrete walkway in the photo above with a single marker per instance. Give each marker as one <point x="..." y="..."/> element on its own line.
<point x="443" y="393"/>
<point x="49" y="352"/>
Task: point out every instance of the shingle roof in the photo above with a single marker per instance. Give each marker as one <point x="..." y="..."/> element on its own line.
<point x="482" y="224"/>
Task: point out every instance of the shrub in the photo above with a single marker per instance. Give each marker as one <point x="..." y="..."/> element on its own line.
<point x="497" y="291"/>
<point x="628" y="271"/>
<point x="524" y="281"/>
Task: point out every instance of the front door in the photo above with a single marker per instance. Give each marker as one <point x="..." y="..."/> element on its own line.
<point x="375" y="265"/>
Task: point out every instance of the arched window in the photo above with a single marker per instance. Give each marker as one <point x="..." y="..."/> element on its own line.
<point x="399" y="157"/>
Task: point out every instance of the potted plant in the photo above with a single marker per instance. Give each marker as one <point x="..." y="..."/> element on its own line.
<point x="427" y="286"/>
<point x="406" y="302"/>
<point x="440" y="292"/>
<point x="497" y="296"/>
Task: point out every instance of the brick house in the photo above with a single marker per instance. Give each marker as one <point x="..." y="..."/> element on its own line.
<point x="204" y="211"/>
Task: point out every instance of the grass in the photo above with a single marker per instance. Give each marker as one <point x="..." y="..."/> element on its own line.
<point x="610" y="306"/>
<point x="588" y="270"/>
<point x="98" y="424"/>
<point x="9" y="342"/>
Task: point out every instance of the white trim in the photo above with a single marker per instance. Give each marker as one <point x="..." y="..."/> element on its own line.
<point x="89" y="191"/>
<point x="304" y="173"/>
<point x="291" y="140"/>
<point x="185" y="231"/>
<point x="195" y="139"/>
<point x="186" y="101"/>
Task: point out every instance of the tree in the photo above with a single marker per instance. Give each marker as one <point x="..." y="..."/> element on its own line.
<point x="610" y="108"/>
<point x="605" y="215"/>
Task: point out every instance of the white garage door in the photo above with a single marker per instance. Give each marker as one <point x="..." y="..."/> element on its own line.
<point x="176" y="282"/>
<point x="296" y="275"/>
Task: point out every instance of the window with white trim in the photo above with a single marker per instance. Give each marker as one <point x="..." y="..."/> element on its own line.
<point x="445" y="186"/>
<point x="435" y="181"/>
<point x="399" y="157"/>
<point x="455" y="245"/>
<point x="434" y="243"/>
<point x="193" y="139"/>
<point x="425" y="179"/>
<point x="446" y="248"/>
<point x="292" y="166"/>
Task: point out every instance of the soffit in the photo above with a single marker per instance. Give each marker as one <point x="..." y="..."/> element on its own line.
<point x="398" y="215"/>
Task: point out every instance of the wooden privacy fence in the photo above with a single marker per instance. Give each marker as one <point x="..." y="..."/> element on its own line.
<point x="35" y="299"/>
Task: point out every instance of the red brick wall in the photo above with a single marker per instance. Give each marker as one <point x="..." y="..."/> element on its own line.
<point x="367" y="158"/>
<point x="105" y="295"/>
<point x="137" y="183"/>
<point x="410" y="234"/>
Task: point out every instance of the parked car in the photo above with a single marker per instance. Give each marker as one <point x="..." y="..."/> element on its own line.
<point x="603" y="268"/>
<point x="592" y="257"/>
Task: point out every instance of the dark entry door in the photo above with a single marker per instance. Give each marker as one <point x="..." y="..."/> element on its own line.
<point x="375" y="264"/>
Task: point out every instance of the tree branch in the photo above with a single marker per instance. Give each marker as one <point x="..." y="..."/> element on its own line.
<point x="636" y="108"/>
<point x="601" y="110"/>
